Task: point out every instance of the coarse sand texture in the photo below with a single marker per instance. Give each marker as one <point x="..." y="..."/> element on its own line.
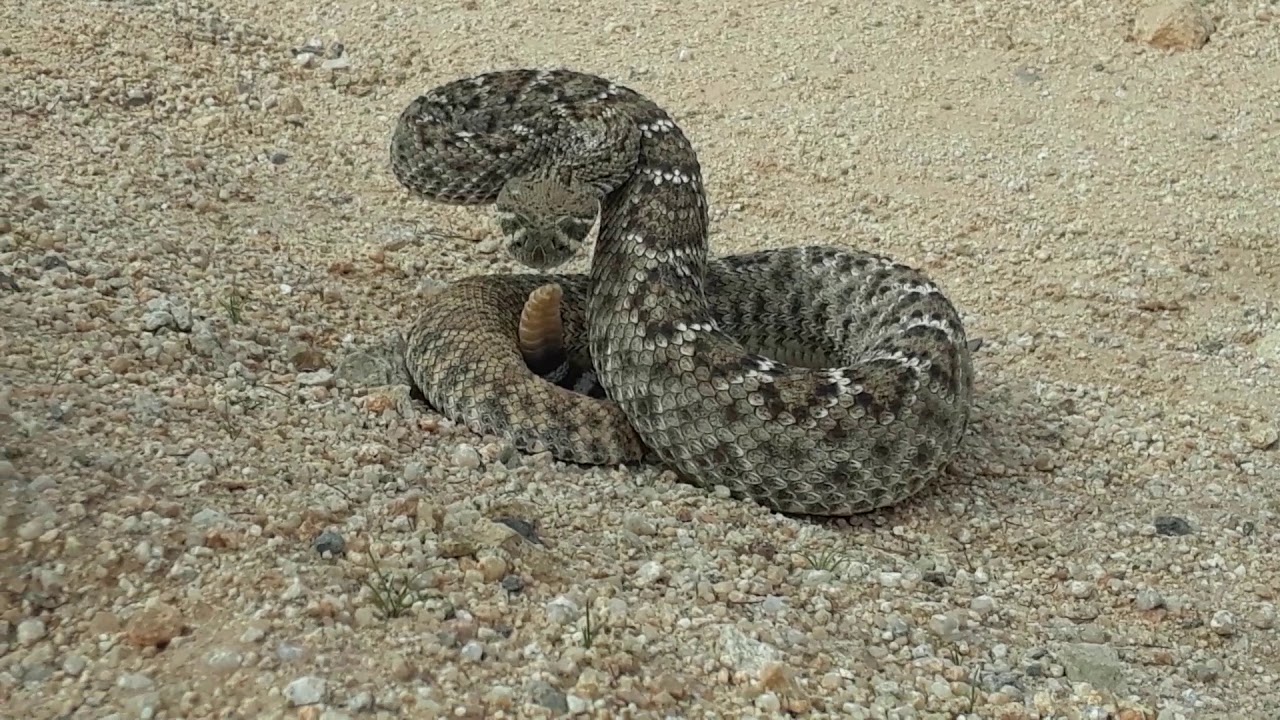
<point x="218" y="499"/>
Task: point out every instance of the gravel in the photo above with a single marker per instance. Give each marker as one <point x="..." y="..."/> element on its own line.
<point x="216" y="503"/>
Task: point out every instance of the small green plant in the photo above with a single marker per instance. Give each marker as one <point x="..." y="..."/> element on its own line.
<point x="393" y="592"/>
<point x="588" y="632"/>
<point x="829" y="560"/>
<point x="233" y="305"/>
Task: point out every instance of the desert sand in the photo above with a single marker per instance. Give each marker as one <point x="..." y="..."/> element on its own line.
<point x="207" y="513"/>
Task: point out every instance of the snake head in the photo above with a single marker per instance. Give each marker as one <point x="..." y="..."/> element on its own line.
<point x="545" y="220"/>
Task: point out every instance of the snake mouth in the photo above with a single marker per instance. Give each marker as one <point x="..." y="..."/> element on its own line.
<point x="538" y="254"/>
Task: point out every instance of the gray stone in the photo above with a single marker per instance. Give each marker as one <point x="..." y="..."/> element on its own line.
<point x="306" y="690"/>
<point x="1098" y="665"/>
<point x="542" y="693"/>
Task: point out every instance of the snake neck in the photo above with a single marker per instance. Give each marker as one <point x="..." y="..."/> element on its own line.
<point x="651" y="254"/>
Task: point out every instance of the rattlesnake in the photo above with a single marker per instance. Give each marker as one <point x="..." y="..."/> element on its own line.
<point x="813" y="380"/>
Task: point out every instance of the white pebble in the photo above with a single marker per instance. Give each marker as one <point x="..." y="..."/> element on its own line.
<point x="769" y="703"/>
<point x="649" y="572"/>
<point x="199" y="459"/>
<point x="638" y="524"/>
<point x="1223" y="623"/>
<point x="319" y="378"/>
<point x="414" y="471"/>
<point x="134" y="681"/>
<point x="73" y="665"/>
<point x="1080" y="589"/>
<point x="1148" y="600"/>
<point x="466" y="456"/>
<point x="577" y="705"/>
<point x="562" y="610"/>
<point x="306" y="690"/>
<point x="30" y="631"/>
<point x="473" y="651"/>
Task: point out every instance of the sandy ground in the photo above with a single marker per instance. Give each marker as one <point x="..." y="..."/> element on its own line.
<point x="203" y="518"/>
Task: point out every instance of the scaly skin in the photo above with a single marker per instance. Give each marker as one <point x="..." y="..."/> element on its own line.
<point x="813" y="380"/>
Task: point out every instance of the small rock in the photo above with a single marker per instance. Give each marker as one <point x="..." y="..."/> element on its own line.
<point x="401" y="669"/>
<point x="307" y="690"/>
<point x="743" y="652"/>
<point x="577" y="705"/>
<point x="53" y="262"/>
<point x="542" y="693"/>
<point x="1090" y="633"/>
<point x="513" y="583"/>
<point x="360" y="702"/>
<point x="1206" y="672"/>
<point x="73" y="665"/>
<point x="209" y="517"/>
<point x="1223" y="623"/>
<point x="224" y="661"/>
<point x="562" y="610"/>
<point x="339" y="63"/>
<point x="1080" y="589"/>
<point x="473" y="651"/>
<point x="483" y="534"/>
<point x="773" y="605"/>
<point x="1173" y="25"/>
<point x="329" y="542"/>
<point x="1264" y="618"/>
<point x="1172" y="525"/>
<point x="156" y="319"/>
<point x="199" y="459"/>
<point x="1263" y="437"/>
<point x="493" y="568"/>
<point x="1148" y="600"/>
<point x="291" y="105"/>
<point x="31" y="631"/>
<point x="1098" y="665"/>
<point x="1268" y="347"/>
<point x="137" y="97"/>
<point x="944" y="626"/>
<point x="135" y="682"/>
<point x="650" y="572"/>
<point x="365" y="616"/>
<point x="414" y="471"/>
<point x="638" y="524"/>
<point x="523" y="528"/>
<point x="466" y="456"/>
<point x="154" y="626"/>
<point x="318" y="378"/>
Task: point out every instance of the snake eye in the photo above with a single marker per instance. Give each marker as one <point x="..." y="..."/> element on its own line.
<point x="573" y="227"/>
<point x="510" y="222"/>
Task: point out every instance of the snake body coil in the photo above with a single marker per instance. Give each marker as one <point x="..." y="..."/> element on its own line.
<point x="813" y="379"/>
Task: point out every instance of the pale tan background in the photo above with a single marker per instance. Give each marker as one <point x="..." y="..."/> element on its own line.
<point x="1105" y="216"/>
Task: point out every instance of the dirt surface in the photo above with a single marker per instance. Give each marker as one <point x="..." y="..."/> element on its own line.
<point x="209" y="512"/>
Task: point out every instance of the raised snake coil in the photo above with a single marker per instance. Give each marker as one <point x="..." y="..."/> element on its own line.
<point x="813" y="380"/>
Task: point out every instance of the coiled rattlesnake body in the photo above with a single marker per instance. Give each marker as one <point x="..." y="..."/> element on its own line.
<point x="813" y="380"/>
